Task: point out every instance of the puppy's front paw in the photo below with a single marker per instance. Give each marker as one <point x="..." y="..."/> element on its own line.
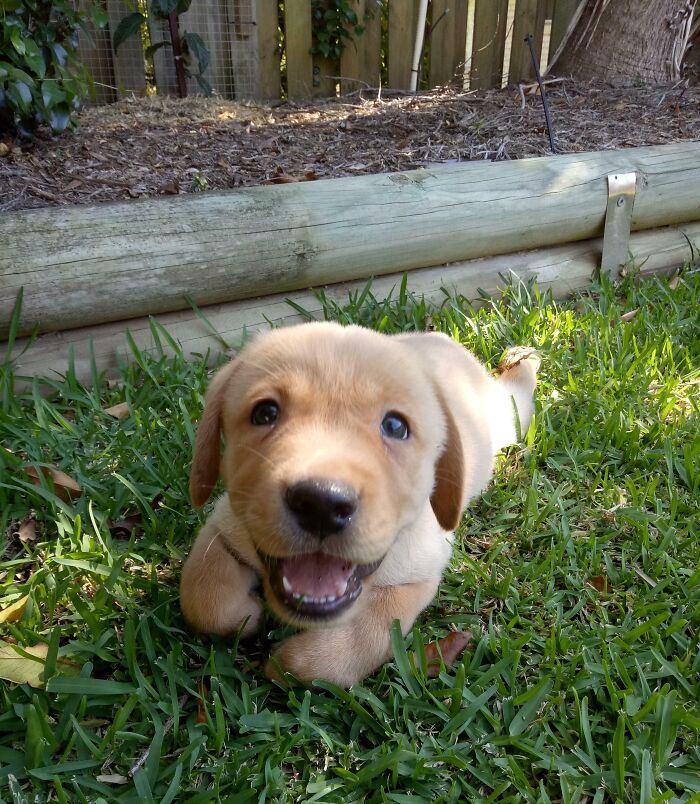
<point x="321" y="654"/>
<point x="223" y="613"/>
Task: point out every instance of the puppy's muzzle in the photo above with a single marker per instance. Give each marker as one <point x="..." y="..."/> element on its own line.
<point x="320" y="506"/>
<point x="317" y="585"/>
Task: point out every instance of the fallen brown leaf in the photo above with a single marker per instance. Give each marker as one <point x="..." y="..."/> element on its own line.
<point x="516" y="355"/>
<point x="158" y="499"/>
<point x="26" y="530"/>
<point x="280" y="177"/>
<point x="170" y="188"/>
<point x="29" y="669"/>
<point x="66" y="488"/>
<point x="601" y="584"/>
<point x="123" y="528"/>
<point x="112" y="778"/>
<point x="629" y="315"/>
<point x="674" y="281"/>
<point x="20" y="669"/>
<point x="14" y="612"/>
<point x="120" y="411"/>
<point x="203" y="694"/>
<point x="446" y="650"/>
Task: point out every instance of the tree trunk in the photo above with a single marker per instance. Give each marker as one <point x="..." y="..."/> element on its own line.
<point x="626" y="41"/>
<point x="693" y="56"/>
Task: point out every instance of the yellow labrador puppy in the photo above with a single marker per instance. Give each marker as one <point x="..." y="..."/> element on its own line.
<point x="349" y="457"/>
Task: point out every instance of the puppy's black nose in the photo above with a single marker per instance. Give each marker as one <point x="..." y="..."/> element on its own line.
<point x="322" y="507"/>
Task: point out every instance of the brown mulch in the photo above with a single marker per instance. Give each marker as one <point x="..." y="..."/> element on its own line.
<point x="162" y="146"/>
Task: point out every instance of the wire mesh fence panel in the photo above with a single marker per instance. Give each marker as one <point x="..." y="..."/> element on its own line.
<point x="95" y="52"/>
<point x="128" y="61"/>
<point x="165" y="79"/>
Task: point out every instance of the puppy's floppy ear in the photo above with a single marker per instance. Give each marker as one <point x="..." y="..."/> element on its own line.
<point x="446" y="499"/>
<point x="207" y="444"/>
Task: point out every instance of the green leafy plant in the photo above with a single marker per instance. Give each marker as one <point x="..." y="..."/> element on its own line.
<point x="41" y="77"/>
<point x="333" y="25"/>
<point x="192" y="46"/>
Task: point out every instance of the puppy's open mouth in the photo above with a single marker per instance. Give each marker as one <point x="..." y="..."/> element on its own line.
<point x="316" y="584"/>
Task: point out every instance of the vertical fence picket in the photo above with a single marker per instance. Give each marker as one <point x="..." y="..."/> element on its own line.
<point x="324" y="69"/>
<point x="267" y="54"/>
<point x="529" y="19"/>
<point x="442" y="43"/>
<point x="459" y="12"/>
<point x="402" y="32"/>
<point x="489" y="43"/>
<point x="371" y="67"/>
<point x="297" y="40"/>
<point x="562" y="15"/>
<point x="353" y="53"/>
<point x="448" y="42"/>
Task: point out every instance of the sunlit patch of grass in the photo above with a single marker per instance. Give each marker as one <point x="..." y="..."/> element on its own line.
<point x="578" y="571"/>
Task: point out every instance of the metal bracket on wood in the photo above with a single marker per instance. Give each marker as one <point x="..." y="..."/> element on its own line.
<point x="618" y="222"/>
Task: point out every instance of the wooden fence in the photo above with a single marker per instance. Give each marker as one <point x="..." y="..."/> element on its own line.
<point x="262" y="49"/>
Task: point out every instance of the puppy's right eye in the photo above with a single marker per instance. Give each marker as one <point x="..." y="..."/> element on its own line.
<point x="265" y="413"/>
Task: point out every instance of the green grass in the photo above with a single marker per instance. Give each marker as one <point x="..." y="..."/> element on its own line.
<point x="578" y="570"/>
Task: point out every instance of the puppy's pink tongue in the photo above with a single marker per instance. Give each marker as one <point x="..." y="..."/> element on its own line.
<point x="316" y="575"/>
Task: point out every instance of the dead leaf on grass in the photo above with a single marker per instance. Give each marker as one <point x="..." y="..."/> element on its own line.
<point x="601" y="584"/>
<point x="446" y="651"/>
<point x="14" y="612"/>
<point x="203" y="695"/>
<point x="674" y="281"/>
<point x="628" y="316"/>
<point x="112" y="778"/>
<point x="515" y="355"/>
<point x="281" y="177"/>
<point x="26" y="530"/>
<point x="123" y="528"/>
<point x="66" y="488"/>
<point x="19" y="668"/>
<point x="158" y="499"/>
<point x="119" y="411"/>
<point x="170" y="188"/>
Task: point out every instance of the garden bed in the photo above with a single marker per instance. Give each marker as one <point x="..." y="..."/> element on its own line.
<point x="144" y="147"/>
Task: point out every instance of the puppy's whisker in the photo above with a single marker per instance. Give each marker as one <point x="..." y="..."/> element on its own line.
<point x="259" y="455"/>
<point x="211" y="542"/>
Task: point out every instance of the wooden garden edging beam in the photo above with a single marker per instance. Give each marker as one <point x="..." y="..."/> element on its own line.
<point x="88" y="265"/>
<point x="560" y="268"/>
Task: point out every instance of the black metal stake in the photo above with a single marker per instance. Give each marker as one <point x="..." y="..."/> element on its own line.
<point x="550" y="130"/>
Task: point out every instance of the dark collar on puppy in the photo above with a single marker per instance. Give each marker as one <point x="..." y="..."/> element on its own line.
<point x="235" y="554"/>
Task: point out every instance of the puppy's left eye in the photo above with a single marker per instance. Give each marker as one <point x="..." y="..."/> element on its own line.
<point x="394" y="426"/>
<point x="265" y="413"/>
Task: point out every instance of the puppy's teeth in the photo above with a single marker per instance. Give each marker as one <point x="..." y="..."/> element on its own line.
<point x="287" y="586"/>
<point x="341" y="590"/>
<point x="296" y="595"/>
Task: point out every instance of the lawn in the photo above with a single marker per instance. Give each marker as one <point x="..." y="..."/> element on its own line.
<point x="578" y="572"/>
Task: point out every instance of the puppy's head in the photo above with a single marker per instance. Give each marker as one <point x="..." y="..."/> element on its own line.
<point x="335" y="439"/>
